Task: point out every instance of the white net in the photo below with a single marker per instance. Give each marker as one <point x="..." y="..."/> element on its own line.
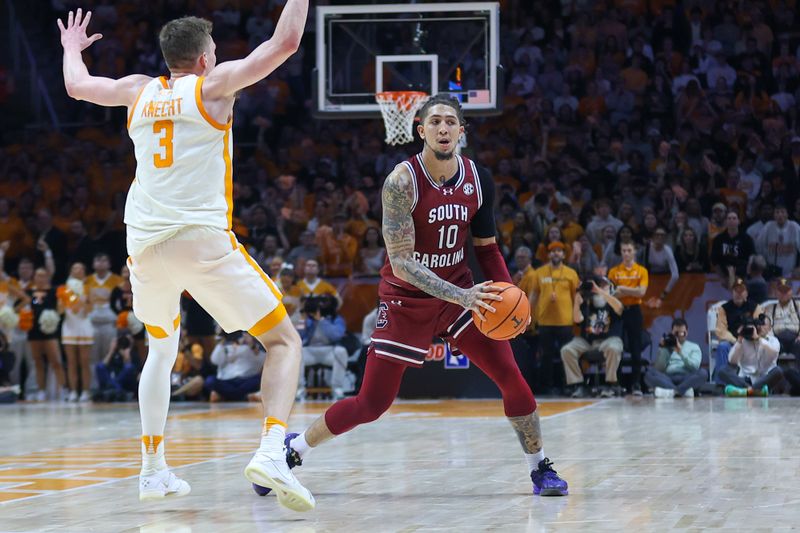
<point x="398" y="110"/>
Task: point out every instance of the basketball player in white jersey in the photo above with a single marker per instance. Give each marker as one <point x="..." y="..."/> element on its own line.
<point x="178" y="218"/>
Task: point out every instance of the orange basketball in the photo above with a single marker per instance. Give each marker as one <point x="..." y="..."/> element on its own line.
<point x="511" y="314"/>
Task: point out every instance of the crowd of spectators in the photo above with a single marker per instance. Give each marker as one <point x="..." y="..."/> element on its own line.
<point x="669" y="124"/>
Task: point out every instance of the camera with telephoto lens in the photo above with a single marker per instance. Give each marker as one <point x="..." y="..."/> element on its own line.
<point x="749" y="325"/>
<point x="311" y="305"/>
<point x="123" y="342"/>
<point x="326" y="305"/>
<point x="668" y="340"/>
<point x="587" y="285"/>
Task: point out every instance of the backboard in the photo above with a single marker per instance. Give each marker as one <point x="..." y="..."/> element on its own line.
<point x="442" y="47"/>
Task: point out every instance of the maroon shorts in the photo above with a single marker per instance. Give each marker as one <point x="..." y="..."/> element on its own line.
<point x="408" y="321"/>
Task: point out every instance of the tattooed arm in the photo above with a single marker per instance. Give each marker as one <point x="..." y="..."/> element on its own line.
<point x="398" y="232"/>
<point x="528" y="431"/>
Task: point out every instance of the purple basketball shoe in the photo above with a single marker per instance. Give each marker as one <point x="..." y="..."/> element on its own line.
<point x="292" y="459"/>
<point x="546" y="481"/>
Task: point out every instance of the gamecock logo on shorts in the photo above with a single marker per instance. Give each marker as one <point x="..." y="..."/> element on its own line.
<point x="383" y="316"/>
<point x="468" y="189"/>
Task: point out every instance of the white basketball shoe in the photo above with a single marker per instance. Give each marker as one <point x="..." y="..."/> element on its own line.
<point x="273" y="473"/>
<point x="162" y="484"/>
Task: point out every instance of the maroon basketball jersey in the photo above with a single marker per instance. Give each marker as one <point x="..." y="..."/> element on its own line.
<point x="442" y="216"/>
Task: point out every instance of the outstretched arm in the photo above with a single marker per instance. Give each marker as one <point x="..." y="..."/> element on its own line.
<point x="79" y="83"/>
<point x="233" y="76"/>
<point x="398" y="232"/>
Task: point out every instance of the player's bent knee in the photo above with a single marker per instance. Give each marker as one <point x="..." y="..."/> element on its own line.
<point x="373" y="410"/>
<point x="283" y="333"/>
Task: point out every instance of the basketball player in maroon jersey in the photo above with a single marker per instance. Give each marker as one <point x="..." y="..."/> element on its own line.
<point x="430" y="204"/>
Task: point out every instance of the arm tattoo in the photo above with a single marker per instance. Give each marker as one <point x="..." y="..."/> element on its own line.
<point x="528" y="431"/>
<point x="398" y="233"/>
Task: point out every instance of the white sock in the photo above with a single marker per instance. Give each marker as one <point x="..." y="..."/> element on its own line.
<point x="534" y="459"/>
<point x="300" y="445"/>
<point x="272" y="440"/>
<point x="152" y="455"/>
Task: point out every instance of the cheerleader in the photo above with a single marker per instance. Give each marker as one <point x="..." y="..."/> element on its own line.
<point x="43" y="335"/>
<point x="99" y="286"/>
<point x="77" y="335"/>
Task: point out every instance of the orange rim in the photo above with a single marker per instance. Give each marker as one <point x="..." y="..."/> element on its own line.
<point x="404" y="99"/>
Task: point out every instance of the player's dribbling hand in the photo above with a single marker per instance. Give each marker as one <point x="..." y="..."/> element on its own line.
<point x="474" y="298"/>
<point x="74" y="35"/>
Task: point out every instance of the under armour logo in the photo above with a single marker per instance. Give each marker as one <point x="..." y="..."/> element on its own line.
<point x="516" y="321"/>
<point x="397" y="302"/>
<point x="448" y="192"/>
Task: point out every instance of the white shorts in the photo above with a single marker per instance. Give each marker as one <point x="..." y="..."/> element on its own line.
<point x="217" y="272"/>
<point x="76" y="330"/>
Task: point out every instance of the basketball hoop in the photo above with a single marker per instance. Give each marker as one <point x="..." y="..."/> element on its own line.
<point x="399" y="109"/>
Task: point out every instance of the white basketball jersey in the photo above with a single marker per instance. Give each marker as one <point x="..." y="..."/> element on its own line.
<point x="183" y="164"/>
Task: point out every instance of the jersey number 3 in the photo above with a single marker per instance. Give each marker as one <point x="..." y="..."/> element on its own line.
<point x="163" y="128"/>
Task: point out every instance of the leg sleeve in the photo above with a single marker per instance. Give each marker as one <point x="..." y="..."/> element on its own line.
<point x="496" y="360"/>
<point x="382" y="379"/>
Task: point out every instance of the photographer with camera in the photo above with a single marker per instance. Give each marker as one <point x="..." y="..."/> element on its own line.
<point x="239" y="365"/>
<point x="676" y="371"/>
<point x="321" y="331"/>
<point x="729" y="317"/>
<point x="753" y="368"/>
<point x="117" y="372"/>
<point x="599" y="315"/>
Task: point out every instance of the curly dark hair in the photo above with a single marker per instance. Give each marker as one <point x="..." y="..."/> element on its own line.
<point x="445" y="99"/>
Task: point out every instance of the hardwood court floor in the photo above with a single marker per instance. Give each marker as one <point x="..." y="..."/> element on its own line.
<point x="426" y="466"/>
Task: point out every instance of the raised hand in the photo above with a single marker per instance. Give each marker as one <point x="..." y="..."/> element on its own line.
<point x="74" y="35"/>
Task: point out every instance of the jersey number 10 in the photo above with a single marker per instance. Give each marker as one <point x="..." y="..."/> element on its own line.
<point x="448" y="236"/>
<point x="165" y="128"/>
